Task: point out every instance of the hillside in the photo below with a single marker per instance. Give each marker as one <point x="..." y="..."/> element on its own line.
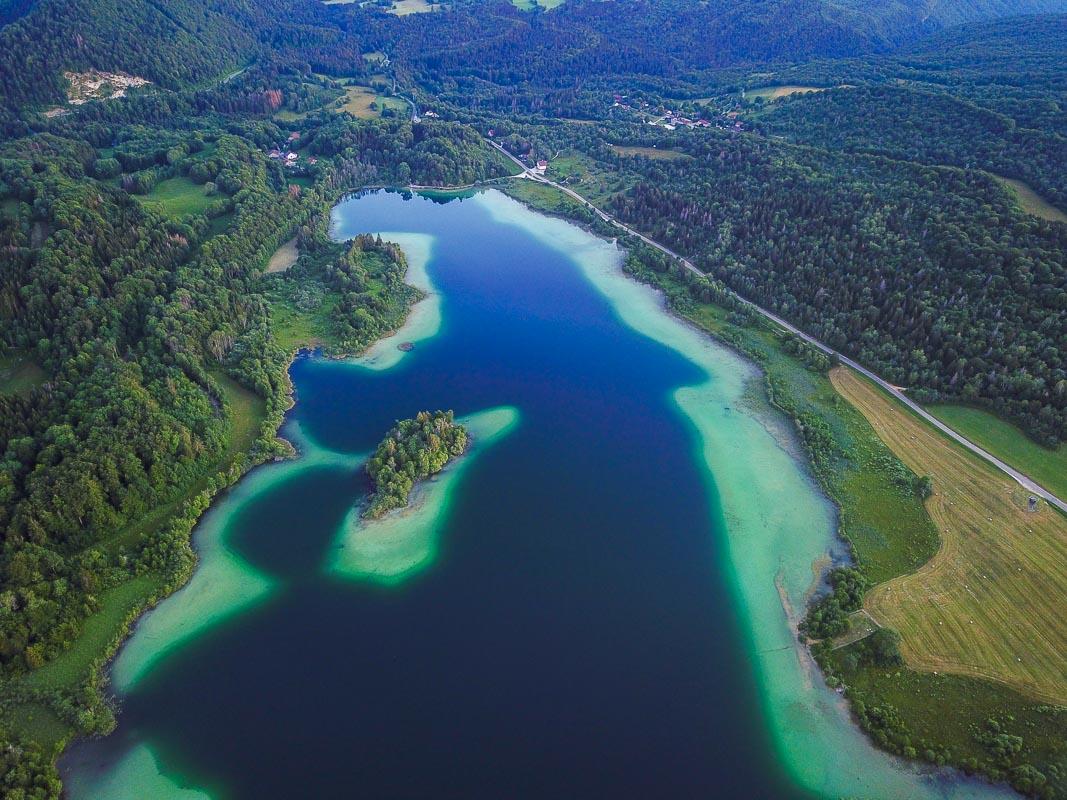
<point x="899" y="22"/>
<point x="187" y="41"/>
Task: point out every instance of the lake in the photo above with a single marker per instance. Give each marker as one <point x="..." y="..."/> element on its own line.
<point x="589" y="604"/>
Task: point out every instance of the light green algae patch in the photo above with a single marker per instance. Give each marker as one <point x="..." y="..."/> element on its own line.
<point x="404" y="542"/>
<point x="136" y="777"/>
<point x="777" y="528"/>
<point x="424" y="318"/>
<point x="223" y="583"/>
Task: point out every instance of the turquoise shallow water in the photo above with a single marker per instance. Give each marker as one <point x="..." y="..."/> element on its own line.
<point x="590" y="604"/>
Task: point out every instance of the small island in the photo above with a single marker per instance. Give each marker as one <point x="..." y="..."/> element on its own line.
<point x="414" y="449"/>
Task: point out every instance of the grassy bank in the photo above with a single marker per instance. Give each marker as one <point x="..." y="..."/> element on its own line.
<point x="62" y="698"/>
<point x="987" y="603"/>
<point x="1045" y="465"/>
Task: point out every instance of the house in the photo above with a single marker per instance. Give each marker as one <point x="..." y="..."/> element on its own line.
<point x="431" y="114"/>
<point x="291" y="157"/>
<point x="294" y="136"/>
<point x="542" y="165"/>
<point x="492" y="133"/>
<point x="275" y="153"/>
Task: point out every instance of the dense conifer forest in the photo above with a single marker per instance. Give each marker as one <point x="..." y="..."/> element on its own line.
<point x="134" y="232"/>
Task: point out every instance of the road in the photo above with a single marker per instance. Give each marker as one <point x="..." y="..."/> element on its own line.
<point x="1023" y="480"/>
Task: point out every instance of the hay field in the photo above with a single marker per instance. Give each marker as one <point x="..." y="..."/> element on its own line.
<point x="993" y="602"/>
<point x="284" y="257"/>
<point x="774" y="92"/>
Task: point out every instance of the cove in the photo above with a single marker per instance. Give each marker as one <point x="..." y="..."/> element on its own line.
<point x="602" y="608"/>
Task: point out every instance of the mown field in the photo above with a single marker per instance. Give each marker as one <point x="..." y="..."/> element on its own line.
<point x="178" y="197"/>
<point x="990" y="603"/>
<point x="1046" y="466"/>
<point x="363" y="102"/>
<point x="284" y="257"/>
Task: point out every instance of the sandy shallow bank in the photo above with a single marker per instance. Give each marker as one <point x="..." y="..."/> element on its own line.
<point x="404" y="542"/>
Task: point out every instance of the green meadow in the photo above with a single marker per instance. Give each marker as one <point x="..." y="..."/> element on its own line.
<point x="1045" y="465"/>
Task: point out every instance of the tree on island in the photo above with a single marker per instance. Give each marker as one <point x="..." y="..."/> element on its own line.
<point x="414" y="449"/>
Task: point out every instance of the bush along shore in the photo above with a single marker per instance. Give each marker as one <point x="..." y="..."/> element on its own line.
<point x="978" y="726"/>
<point x="413" y="450"/>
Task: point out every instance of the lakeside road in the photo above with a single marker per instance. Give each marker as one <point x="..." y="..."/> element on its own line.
<point x="1023" y="480"/>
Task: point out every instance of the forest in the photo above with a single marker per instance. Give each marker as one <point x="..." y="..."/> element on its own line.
<point x="412" y="450"/>
<point x="927" y="275"/>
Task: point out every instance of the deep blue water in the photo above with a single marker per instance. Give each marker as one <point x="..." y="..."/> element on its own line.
<point x="575" y="639"/>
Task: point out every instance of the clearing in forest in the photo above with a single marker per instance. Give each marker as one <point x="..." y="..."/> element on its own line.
<point x="178" y="197"/>
<point x="19" y="374"/>
<point x="657" y="153"/>
<point x="1031" y="202"/>
<point x="530" y="5"/>
<point x="284" y="257"/>
<point x="990" y="603"/>
<point x="404" y="7"/>
<point x="774" y="92"/>
<point x="363" y="102"/>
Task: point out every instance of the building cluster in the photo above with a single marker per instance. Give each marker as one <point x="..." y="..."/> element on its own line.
<point x="286" y="154"/>
<point x="671" y="120"/>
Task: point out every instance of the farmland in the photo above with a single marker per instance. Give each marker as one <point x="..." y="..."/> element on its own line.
<point x="989" y="604"/>
<point x="1046" y="466"/>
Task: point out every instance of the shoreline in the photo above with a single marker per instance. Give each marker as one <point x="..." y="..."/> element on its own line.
<point x="244" y="465"/>
<point x="886" y="769"/>
<point x="395" y="547"/>
<point x="802" y="652"/>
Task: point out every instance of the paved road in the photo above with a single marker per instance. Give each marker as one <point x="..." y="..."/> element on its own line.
<point x="1026" y="482"/>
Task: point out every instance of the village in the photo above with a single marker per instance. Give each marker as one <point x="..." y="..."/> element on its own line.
<point x="287" y="154"/>
<point x="670" y="120"/>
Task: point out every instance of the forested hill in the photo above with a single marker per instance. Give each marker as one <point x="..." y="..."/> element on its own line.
<point x="898" y="22"/>
<point x="186" y="42"/>
<point x="172" y="44"/>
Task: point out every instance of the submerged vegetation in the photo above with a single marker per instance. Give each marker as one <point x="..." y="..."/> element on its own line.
<point x="413" y="450"/>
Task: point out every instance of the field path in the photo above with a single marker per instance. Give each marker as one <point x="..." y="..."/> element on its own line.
<point x="991" y="602"/>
